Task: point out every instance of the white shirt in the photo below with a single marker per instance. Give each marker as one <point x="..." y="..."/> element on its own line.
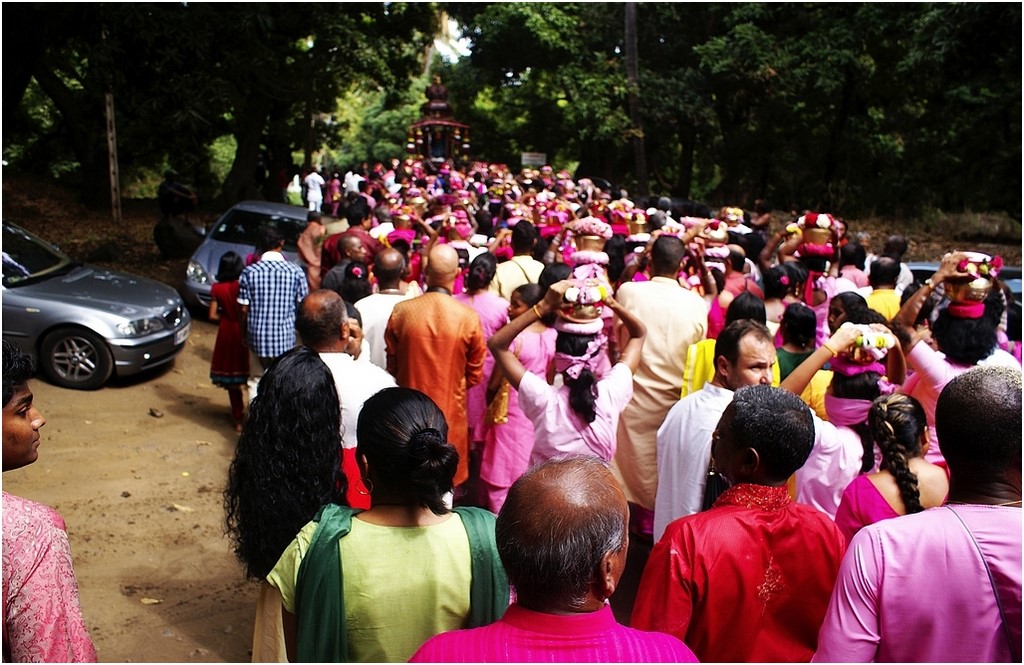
<point x="356" y="382"/>
<point x="376" y="310"/>
<point x="314" y="187"/>
<point x="684" y="450"/>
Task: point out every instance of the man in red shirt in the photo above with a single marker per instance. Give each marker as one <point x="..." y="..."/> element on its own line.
<point x="750" y="579"/>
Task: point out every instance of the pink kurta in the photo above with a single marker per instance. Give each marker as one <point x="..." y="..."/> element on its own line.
<point x="832" y="465"/>
<point x="559" y="431"/>
<point x="931" y="374"/>
<point x="915" y="589"/>
<point x="525" y="636"/>
<point x="508" y="445"/>
<point x="493" y="312"/>
<point x="42" y="617"/>
<point x="862" y="504"/>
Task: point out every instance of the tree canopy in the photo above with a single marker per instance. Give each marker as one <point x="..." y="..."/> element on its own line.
<point x="853" y="107"/>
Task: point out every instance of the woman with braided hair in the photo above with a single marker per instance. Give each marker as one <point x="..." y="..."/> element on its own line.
<point x="906" y="483"/>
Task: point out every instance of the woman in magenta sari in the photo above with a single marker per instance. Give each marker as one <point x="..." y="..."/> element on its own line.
<point x="508" y="444"/>
<point x="906" y="483"/>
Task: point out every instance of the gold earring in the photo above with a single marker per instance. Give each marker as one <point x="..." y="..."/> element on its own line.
<point x="369" y="487"/>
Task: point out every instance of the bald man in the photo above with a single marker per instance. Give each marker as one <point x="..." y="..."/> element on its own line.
<point x="350" y="249"/>
<point x="435" y="344"/>
<point x="376" y="308"/>
<point x="562" y="537"/>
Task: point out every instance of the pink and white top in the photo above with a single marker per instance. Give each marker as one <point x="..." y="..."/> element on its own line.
<point x="834" y="462"/>
<point x="916" y="589"/>
<point x="559" y="431"/>
<point x="42" y="616"/>
<point x="932" y="371"/>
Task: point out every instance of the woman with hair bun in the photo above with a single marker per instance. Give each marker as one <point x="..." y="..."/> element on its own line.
<point x="905" y="483"/>
<point x="409" y="567"/>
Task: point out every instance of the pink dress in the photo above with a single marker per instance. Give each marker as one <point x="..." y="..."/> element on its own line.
<point x="508" y="445"/>
<point x="931" y="374"/>
<point x="862" y="504"/>
<point x="42" y="616"/>
<point x="493" y="312"/>
<point x="559" y="432"/>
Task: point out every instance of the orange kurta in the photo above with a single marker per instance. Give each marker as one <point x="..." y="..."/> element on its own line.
<point x="435" y="344"/>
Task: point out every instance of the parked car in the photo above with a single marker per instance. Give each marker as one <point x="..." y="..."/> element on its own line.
<point x="81" y="324"/>
<point x="236" y="231"/>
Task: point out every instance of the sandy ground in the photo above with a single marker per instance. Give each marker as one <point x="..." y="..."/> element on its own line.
<point x="142" y="499"/>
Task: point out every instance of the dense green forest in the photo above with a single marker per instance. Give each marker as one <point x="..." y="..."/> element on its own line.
<point x="858" y="108"/>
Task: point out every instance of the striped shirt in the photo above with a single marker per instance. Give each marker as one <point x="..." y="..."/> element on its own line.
<point x="271" y="288"/>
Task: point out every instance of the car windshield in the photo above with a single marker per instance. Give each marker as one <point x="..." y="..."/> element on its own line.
<point x="243" y="227"/>
<point x="27" y="257"/>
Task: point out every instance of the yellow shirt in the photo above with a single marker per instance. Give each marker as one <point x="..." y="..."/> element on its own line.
<point x="884" y="301"/>
<point x="402" y="585"/>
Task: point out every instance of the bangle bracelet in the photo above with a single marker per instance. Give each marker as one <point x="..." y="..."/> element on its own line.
<point x="537" y="312"/>
<point x="830" y="349"/>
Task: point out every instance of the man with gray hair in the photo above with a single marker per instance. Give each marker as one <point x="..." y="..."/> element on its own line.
<point x="562" y="536"/>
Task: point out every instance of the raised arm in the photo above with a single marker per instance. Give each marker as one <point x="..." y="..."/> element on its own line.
<point x="499" y="343"/>
<point x="630" y="354"/>
<point x="908" y="314"/>
<point x="839" y="342"/>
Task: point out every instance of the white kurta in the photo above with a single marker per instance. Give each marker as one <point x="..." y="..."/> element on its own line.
<point x="684" y="450"/>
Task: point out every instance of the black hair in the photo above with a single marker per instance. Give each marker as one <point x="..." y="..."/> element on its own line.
<point x="895" y="247"/>
<point x="798" y="276"/>
<point x="615" y="248"/>
<point x="777" y="424"/>
<point x="524" y="237"/>
<point x="737" y="259"/>
<point x="553" y="272"/>
<point x="481" y="272"/>
<point x="862" y="386"/>
<point x="268" y="238"/>
<point x="530" y="294"/>
<point x="727" y="344"/>
<point x="319" y="326"/>
<point x="852" y="254"/>
<point x="776" y="281"/>
<point x="582" y="390"/>
<point x="966" y="341"/>
<point x="719" y="278"/>
<point x="897" y="422"/>
<point x="927" y="305"/>
<point x="352" y="313"/>
<point x="286" y="463"/>
<point x="404" y="436"/>
<point x="746" y="306"/>
<point x="885" y="271"/>
<point x="978" y="421"/>
<point x="17" y="370"/>
<point x="313" y="216"/>
<point x="389" y="275"/>
<point x="356" y="284"/>
<point x="554" y="555"/>
<point x="356" y="212"/>
<point x="799" y="325"/>
<point x="667" y="254"/>
<point x="231" y="266"/>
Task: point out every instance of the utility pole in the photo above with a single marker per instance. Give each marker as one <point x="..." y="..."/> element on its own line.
<point x="633" y="75"/>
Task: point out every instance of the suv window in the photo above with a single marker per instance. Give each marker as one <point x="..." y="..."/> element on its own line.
<point x="243" y="227"/>
<point x="26" y="256"/>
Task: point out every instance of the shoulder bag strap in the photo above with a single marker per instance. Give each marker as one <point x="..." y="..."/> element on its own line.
<point x="1014" y="649"/>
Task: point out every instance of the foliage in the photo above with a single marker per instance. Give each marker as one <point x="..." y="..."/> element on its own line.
<point x="857" y="108"/>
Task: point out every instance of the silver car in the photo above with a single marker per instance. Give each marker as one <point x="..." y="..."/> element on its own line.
<point x="237" y="231"/>
<point x="81" y="324"/>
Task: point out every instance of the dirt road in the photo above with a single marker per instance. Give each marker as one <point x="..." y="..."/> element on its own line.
<point x="141" y="496"/>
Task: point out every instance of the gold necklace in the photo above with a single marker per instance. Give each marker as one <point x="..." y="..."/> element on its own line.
<point x="1007" y="503"/>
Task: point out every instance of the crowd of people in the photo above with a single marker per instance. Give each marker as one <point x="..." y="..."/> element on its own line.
<point x="474" y="394"/>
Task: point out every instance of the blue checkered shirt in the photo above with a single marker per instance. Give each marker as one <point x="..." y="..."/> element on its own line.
<point x="272" y="289"/>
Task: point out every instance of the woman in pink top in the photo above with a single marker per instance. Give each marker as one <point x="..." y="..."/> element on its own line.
<point x="965" y="335"/>
<point x="493" y="312"/>
<point x="581" y="416"/>
<point x="906" y="483"/>
<point x="507" y="447"/>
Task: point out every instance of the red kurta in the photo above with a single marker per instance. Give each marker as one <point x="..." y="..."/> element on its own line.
<point x="747" y="581"/>
<point x="435" y="344"/>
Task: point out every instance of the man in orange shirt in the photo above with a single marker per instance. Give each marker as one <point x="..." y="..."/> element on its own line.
<point x="435" y="344"/>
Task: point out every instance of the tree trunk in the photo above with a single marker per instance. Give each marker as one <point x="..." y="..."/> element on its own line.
<point x="687" y="147"/>
<point x="632" y="73"/>
<point x="239" y="184"/>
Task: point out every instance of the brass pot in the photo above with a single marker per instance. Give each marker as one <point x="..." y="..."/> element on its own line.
<point x="967" y="290"/>
<point x="590" y="243"/>
<point x="581" y="313"/>
<point x="817" y="236"/>
<point x="637" y="226"/>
